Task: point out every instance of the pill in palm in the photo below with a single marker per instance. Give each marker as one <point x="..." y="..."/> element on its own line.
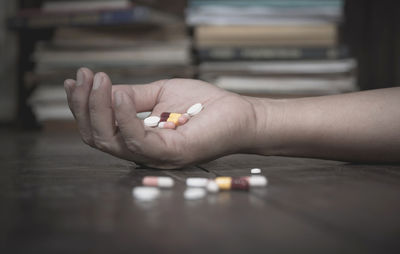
<point x="145" y="193"/>
<point x="170" y="117"/>
<point x="195" y="109"/>
<point x="158" y="181"/>
<point x="169" y="125"/>
<point x="161" y="124"/>
<point x="143" y="115"/>
<point x="151" y="121"/>
<point x="194" y="193"/>
<point x="182" y="120"/>
<point x="174" y="117"/>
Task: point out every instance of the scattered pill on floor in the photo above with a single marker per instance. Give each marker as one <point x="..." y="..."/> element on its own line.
<point x="145" y="193"/>
<point x="257" y="181"/>
<point x="197" y="182"/>
<point x="212" y="186"/>
<point x="158" y="181"/>
<point x="232" y="183"/>
<point x="255" y="171"/>
<point x="194" y="193"/>
<point x="197" y="187"/>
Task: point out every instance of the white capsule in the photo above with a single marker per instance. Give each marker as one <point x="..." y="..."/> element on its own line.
<point x="152" y="121"/>
<point x="146" y="193"/>
<point x="194" y="193"/>
<point x="195" y="109"/>
<point x="161" y="125"/>
<point x="257" y="181"/>
<point x="212" y="186"/>
<point x="196" y="182"/>
<point x="255" y="171"/>
<point x="143" y="115"/>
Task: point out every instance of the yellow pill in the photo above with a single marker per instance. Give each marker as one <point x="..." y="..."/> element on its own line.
<point x="174" y="120"/>
<point x="174" y="117"/>
<point x="224" y="183"/>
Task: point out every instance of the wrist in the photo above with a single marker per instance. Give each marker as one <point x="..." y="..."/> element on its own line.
<point x="268" y="126"/>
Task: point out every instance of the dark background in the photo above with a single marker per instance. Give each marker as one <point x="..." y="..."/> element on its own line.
<point x="370" y="28"/>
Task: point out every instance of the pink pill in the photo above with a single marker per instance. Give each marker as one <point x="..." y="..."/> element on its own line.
<point x="182" y="120"/>
<point x="169" y="125"/>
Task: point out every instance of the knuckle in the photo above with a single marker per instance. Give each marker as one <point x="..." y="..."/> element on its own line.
<point x="102" y="145"/>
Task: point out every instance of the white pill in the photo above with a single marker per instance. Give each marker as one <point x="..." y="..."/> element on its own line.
<point x="165" y="181"/>
<point x="194" y="193"/>
<point x="143" y="115"/>
<point x="196" y="182"/>
<point x="212" y="186"/>
<point x="257" y="181"/>
<point x="161" y="125"/>
<point x="195" y="109"/>
<point x="255" y="171"/>
<point x="152" y="121"/>
<point x="146" y="193"/>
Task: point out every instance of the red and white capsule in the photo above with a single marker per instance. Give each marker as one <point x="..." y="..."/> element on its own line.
<point x="158" y="181"/>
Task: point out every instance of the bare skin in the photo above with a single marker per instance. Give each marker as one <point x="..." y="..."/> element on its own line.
<point x="362" y="126"/>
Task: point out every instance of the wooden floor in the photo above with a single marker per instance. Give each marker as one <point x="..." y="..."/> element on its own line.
<point x="60" y="196"/>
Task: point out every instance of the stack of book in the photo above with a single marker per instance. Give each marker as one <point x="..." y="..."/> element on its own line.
<point x="130" y="52"/>
<point x="266" y="47"/>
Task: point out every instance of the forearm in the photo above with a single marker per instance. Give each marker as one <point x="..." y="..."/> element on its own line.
<point x="363" y="126"/>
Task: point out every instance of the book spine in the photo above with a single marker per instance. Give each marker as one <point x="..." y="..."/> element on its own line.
<point x="38" y="19"/>
<point x="270" y="53"/>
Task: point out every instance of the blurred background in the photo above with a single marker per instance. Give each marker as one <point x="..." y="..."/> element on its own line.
<point x="287" y="48"/>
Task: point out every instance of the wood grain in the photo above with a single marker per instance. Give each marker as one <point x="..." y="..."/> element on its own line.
<point x="59" y="196"/>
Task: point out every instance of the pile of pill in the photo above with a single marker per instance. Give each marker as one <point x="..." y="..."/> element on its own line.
<point x="197" y="187"/>
<point x="168" y="120"/>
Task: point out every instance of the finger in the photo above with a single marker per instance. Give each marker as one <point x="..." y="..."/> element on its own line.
<point x="100" y="109"/>
<point x="137" y="139"/>
<point x="144" y="97"/>
<point x="79" y="103"/>
<point x="68" y="86"/>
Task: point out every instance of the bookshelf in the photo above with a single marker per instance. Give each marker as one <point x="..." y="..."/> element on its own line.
<point x="370" y="29"/>
<point x="39" y="23"/>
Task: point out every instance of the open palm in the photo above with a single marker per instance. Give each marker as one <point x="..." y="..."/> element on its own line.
<point x="221" y="128"/>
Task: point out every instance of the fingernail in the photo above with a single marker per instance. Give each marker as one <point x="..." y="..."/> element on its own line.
<point x="98" y="80"/>
<point x="68" y="83"/>
<point x="118" y="98"/>
<point x="80" y="78"/>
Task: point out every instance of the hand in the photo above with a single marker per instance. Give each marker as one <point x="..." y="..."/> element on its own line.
<point x="226" y="124"/>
